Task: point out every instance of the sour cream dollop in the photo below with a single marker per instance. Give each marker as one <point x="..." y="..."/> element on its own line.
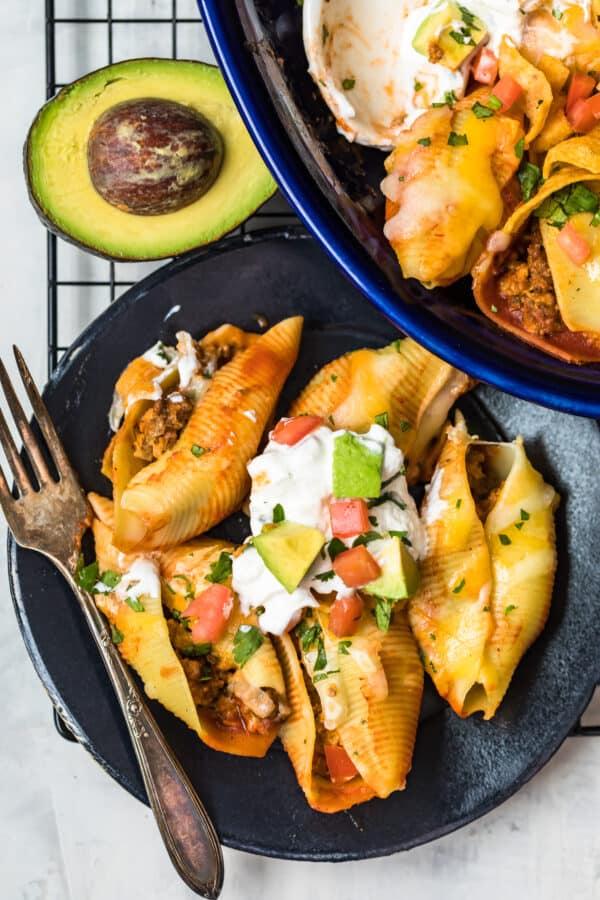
<point x="299" y="478"/>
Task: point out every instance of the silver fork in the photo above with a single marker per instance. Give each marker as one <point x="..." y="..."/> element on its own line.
<point x="52" y="518"/>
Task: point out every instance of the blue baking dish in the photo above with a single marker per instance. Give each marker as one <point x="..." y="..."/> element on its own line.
<point x="330" y="184"/>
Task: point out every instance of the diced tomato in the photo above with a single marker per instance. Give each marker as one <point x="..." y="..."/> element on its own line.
<point x="584" y="114"/>
<point x="290" y="431"/>
<point x="211" y="609"/>
<point x="341" y="768"/>
<point x="574" y="244"/>
<point x="485" y="68"/>
<point x="348" y="517"/>
<point x="344" y="615"/>
<point x="507" y="91"/>
<point x="356" y="567"/>
<point x="582" y="86"/>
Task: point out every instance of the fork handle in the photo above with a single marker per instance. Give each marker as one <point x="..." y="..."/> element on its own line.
<point x="184" y="824"/>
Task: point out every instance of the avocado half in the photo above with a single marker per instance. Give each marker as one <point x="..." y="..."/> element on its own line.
<point x="59" y="182"/>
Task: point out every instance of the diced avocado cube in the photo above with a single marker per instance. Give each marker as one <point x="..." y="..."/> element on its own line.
<point x="356" y="468"/>
<point x="449" y="35"/>
<point x="288" y="550"/>
<point x="399" y="577"/>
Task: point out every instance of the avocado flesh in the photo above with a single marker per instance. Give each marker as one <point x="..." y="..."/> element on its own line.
<point x="288" y="550"/>
<point x="356" y="468"/>
<point x="437" y="37"/>
<point x="61" y="188"/>
<point x="399" y="577"/>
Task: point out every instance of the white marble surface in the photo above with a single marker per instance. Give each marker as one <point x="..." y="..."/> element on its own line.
<point x="68" y="831"/>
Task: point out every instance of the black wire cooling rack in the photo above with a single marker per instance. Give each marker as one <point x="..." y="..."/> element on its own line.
<point x="82" y="35"/>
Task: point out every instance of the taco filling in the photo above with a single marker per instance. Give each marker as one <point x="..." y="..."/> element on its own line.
<point x="219" y="686"/>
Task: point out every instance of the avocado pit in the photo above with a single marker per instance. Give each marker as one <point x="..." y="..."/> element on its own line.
<point x="150" y="156"/>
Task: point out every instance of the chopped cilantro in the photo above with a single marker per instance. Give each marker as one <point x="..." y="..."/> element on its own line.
<point x="386" y="498"/>
<point x="325" y="576"/>
<point x="334" y="547"/>
<point x="220" y="570"/>
<point x="195" y="651"/>
<point x="504" y="540"/>
<point x="135" y="604"/>
<point x="382" y="419"/>
<point x="529" y="176"/>
<point x="520" y="148"/>
<point x="343" y="647"/>
<point x="348" y="83"/>
<point x="116" y="635"/>
<point x="366" y="538"/>
<point x="509" y="609"/>
<point x="278" y="513"/>
<point x="459" y="586"/>
<point x="248" y="639"/>
<point x="197" y="450"/>
<point x="457" y="140"/>
<point x="424" y="142"/>
<point x="481" y="111"/>
<point x="383" y="614"/>
<point x="87" y="576"/>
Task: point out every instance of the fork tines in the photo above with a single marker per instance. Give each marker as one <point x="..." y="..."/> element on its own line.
<point x="34" y="453"/>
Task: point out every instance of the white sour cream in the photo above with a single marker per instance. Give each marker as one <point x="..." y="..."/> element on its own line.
<point x="160" y="355"/>
<point x="300" y="479"/>
<point x="434" y="507"/>
<point x="187" y="360"/>
<point x="183" y="357"/>
<point x="256" y="586"/>
<point x="141" y="580"/>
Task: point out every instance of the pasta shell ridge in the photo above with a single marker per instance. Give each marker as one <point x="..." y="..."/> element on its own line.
<point x="203" y="478"/>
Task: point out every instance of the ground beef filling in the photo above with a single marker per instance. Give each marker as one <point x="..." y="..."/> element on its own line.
<point x="525" y="284"/>
<point x="160" y="426"/>
<point x="212" y="356"/>
<point x="485" y="486"/>
<point x="210" y="688"/>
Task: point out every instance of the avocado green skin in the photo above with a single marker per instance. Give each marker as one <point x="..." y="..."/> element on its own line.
<point x="45" y="215"/>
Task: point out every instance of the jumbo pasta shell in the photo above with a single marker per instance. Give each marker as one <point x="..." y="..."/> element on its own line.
<point x="410" y="384"/>
<point x="374" y="688"/>
<point x="488" y="574"/>
<point x="379" y="735"/>
<point x="203" y="478"/>
<point x="572" y="337"/>
<point x="147" y="646"/>
<point x="298" y="736"/>
<point x="444" y="189"/>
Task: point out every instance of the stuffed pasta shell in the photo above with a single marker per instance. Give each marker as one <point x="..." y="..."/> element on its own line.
<point x="185" y="463"/>
<point x="155" y="396"/>
<point x="179" y="625"/>
<point x="354" y="708"/>
<point x="539" y="275"/>
<point x="403" y="384"/>
<point x="488" y="572"/>
<point x="444" y="189"/>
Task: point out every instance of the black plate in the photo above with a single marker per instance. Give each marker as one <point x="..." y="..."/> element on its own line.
<point x="461" y="769"/>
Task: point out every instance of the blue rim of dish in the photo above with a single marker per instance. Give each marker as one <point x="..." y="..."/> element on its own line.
<point x="255" y="107"/>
